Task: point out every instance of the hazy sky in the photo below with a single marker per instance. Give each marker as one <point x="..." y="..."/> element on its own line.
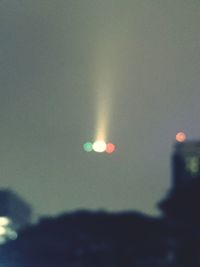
<point x="64" y="64"/>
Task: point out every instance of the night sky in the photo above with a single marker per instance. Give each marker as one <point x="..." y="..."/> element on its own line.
<point x="66" y="65"/>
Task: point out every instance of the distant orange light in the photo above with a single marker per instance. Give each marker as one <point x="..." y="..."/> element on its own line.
<point x="180" y="137"/>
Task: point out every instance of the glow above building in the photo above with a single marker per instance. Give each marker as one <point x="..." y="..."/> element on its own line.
<point x="180" y="137"/>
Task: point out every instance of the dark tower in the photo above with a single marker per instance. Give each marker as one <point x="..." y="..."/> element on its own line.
<point x="185" y="162"/>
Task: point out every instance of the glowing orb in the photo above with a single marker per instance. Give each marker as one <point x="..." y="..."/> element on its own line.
<point x="110" y="148"/>
<point x="180" y="137"/>
<point x="4" y="221"/>
<point x="99" y="146"/>
<point x="2" y="230"/>
<point x="87" y="147"/>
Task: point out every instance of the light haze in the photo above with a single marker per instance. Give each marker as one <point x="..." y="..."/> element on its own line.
<point x="69" y="69"/>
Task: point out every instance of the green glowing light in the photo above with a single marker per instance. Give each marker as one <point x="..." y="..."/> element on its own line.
<point x="192" y="164"/>
<point x="87" y="147"/>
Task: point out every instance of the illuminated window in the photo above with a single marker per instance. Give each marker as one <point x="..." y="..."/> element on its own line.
<point x="192" y="164"/>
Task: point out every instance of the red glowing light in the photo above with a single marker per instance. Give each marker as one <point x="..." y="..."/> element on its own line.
<point x="110" y="148"/>
<point x="180" y="137"/>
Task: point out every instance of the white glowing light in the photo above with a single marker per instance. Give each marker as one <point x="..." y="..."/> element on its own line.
<point x="99" y="146"/>
<point x="4" y="221"/>
<point x="2" y="230"/>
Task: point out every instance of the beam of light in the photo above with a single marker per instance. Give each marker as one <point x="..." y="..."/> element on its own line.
<point x="104" y="85"/>
<point x="180" y="137"/>
<point x="105" y="77"/>
<point x="103" y="113"/>
<point x="99" y="146"/>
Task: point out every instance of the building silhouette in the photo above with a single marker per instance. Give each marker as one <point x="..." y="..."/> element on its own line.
<point x="185" y="163"/>
<point x="126" y="239"/>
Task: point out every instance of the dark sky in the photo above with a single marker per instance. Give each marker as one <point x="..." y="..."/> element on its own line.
<point x="65" y="65"/>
